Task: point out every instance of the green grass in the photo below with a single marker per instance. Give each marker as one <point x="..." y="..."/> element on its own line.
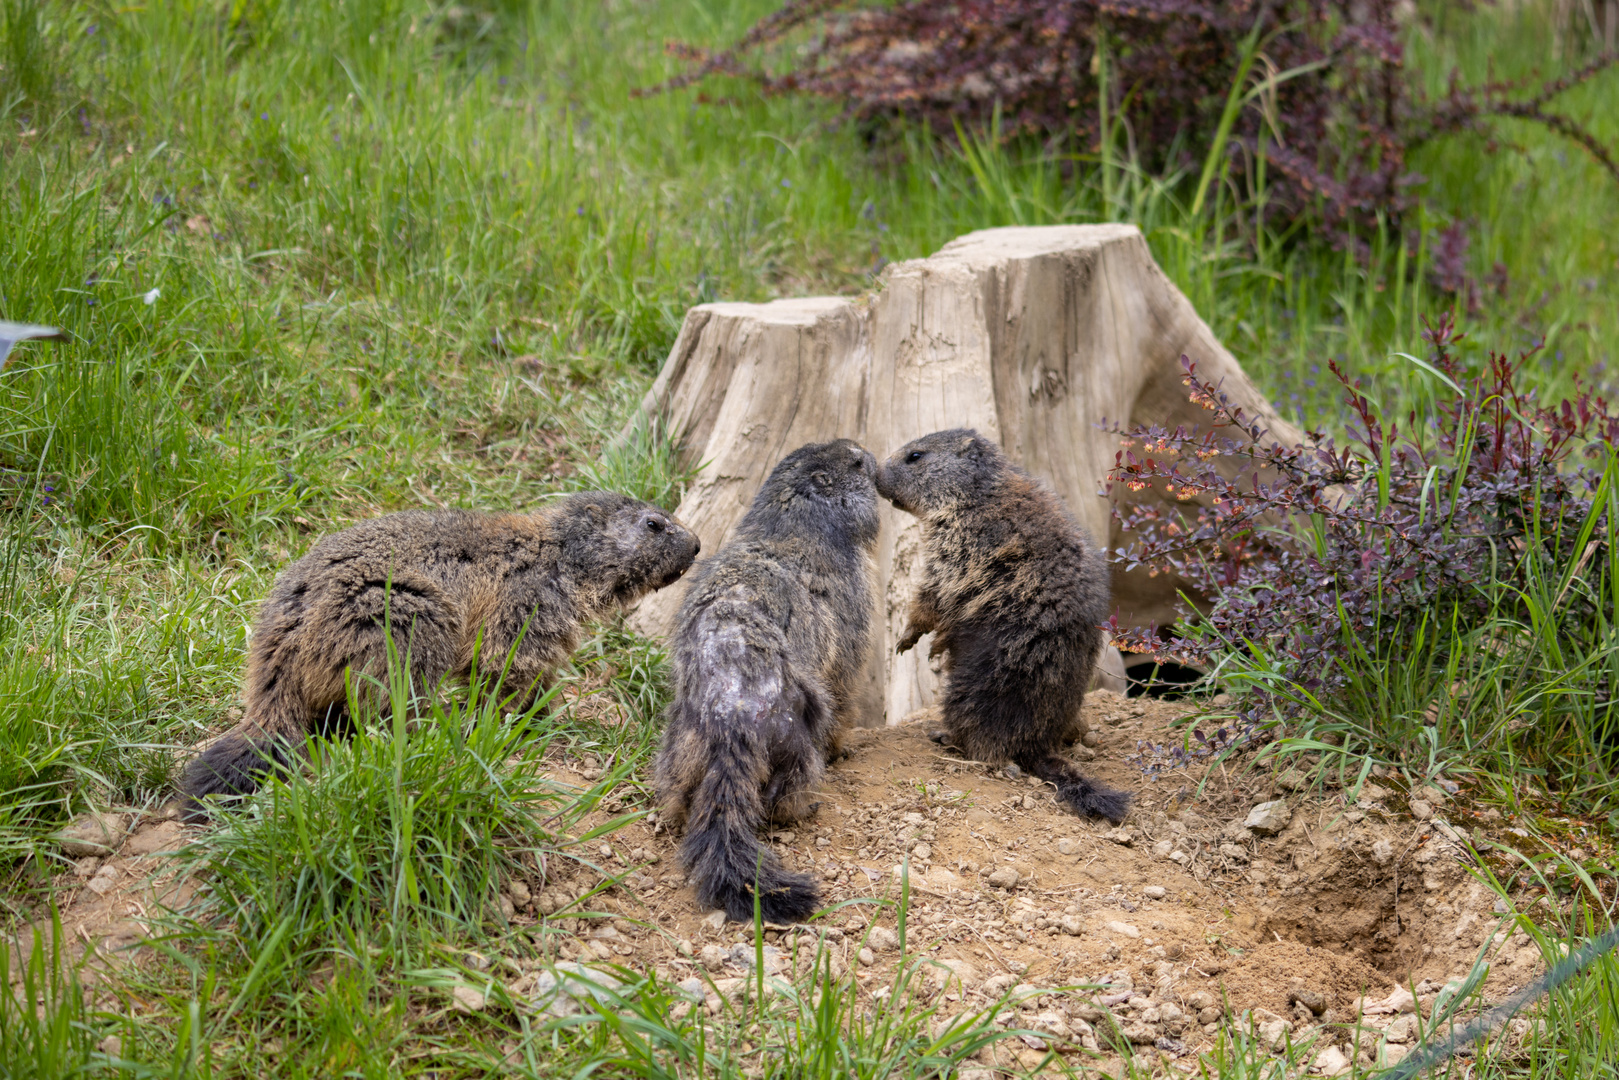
<point x="411" y="254"/>
<point x="1508" y="690"/>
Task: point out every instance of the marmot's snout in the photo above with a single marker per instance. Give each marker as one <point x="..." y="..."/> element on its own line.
<point x="885" y="484"/>
<point x="685" y="546"/>
<point x="893" y="478"/>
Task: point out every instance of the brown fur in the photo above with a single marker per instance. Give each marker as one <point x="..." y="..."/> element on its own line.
<point x="1015" y="593"/>
<point x="515" y="587"/>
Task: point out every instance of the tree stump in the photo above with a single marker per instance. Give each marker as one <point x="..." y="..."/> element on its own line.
<point x="1037" y="337"/>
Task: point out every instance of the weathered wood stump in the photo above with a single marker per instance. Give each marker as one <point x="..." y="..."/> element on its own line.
<point x="1034" y="336"/>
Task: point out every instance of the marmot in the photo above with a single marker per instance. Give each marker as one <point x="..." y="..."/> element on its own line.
<point x="768" y="650"/>
<point x="1016" y="593"/>
<point x="437" y="579"/>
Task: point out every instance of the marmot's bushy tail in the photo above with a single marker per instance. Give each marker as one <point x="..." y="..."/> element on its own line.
<point x="270" y="737"/>
<point x="1078" y="790"/>
<point x="722" y="851"/>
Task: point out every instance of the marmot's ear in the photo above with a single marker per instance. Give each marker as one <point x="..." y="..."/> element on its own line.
<point x="598" y="513"/>
<point x="969" y="447"/>
<point x="821" y="479"/>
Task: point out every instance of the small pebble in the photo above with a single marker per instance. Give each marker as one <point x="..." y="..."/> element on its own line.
<point x="1269" y="818"/>
<point x="93" y="834"/>
<point x="867" y="957"/>
<point x="104" y="881"/>
<point x="1313" y="1000"/>
<point x="1154" y="892"/>
<point x="466" y="999"/>
<point x="1004" y="878"/>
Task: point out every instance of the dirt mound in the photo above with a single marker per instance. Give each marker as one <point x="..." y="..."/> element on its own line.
<point x="1223" y="894"/>
<point x="1185" y="911"/>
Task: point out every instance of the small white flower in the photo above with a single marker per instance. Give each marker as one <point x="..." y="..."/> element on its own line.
<point x="151" y="297"/>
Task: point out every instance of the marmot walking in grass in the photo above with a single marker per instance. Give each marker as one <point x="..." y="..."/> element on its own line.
<point x="768" y="651"/>
<point x="1016" y="593"/>
<point x="437" y="580"/>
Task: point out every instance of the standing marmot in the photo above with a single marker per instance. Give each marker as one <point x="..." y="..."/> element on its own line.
<point x="438" y="579"/>
<point x="1016" y="593"/>
<point x="768" y="650"/>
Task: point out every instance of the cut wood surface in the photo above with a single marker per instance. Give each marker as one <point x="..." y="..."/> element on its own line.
<point x="1038" y="337"/>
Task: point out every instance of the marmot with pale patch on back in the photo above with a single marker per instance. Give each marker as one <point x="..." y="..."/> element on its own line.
<point x="438" y="580"/>
<point x="768" y="653"/>
<point x="1015" y="593"/>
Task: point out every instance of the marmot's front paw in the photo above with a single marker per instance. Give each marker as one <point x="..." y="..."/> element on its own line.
<point x="908" y="642"/>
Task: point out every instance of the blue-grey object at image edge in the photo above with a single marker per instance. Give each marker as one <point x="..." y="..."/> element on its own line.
<point x="1559" y="974"/>
<point x="13" y="332"/>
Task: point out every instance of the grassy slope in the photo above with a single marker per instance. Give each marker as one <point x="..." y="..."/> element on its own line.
<point x="405" y="257"/>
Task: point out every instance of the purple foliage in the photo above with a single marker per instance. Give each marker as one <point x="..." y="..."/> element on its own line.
<point x="1312" y="549"/>
<point x="1330" y="119"/>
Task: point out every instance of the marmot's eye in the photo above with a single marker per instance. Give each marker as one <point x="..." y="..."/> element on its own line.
<point x="913" y="457"/>
<point x="654" y="524"/>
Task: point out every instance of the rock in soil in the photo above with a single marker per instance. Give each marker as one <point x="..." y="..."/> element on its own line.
<point x="93" y="834"/>
<point x="1270" y="818"/>
<point x="559" y="992"/>
<point x="1004" y="878"/>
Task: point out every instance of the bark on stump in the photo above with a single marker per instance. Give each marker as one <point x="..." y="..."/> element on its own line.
<point x="1034" y="336"/>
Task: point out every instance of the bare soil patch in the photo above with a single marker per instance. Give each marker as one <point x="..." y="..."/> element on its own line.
<point x="1183" y="916"/>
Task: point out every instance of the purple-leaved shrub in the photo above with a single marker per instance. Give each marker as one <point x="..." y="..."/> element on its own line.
<point x="1326" y="561"/>
<point x="1324" y="119"/>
